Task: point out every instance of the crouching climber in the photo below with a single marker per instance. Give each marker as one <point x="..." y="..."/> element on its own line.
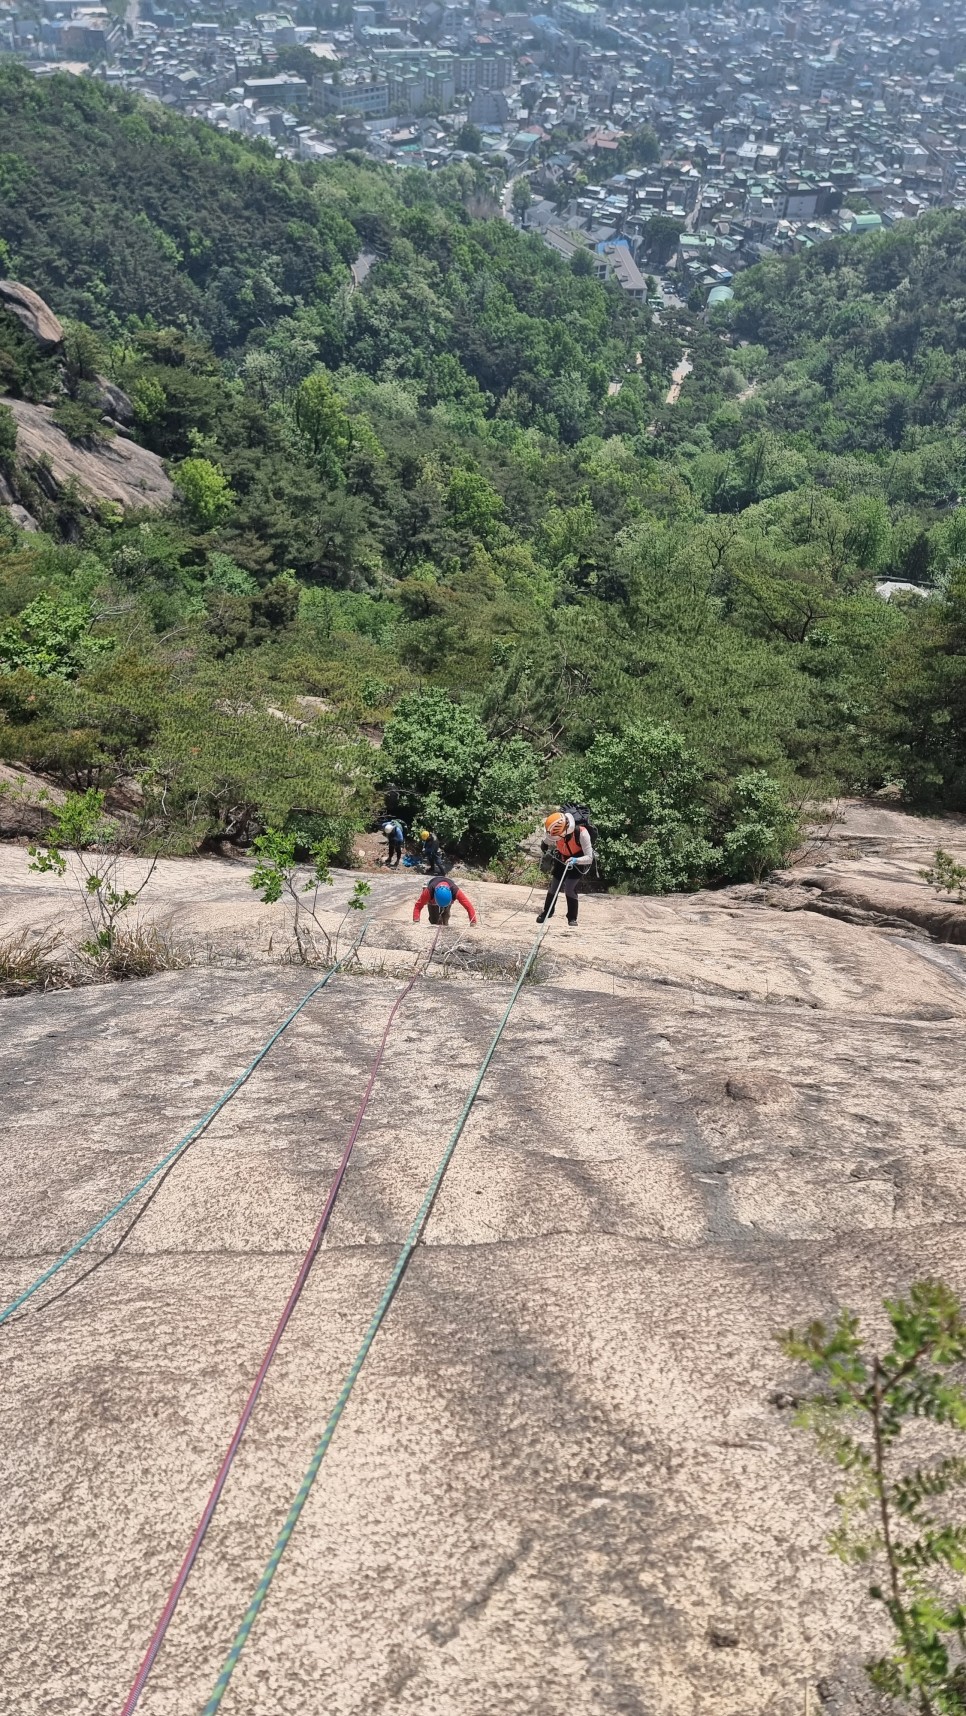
<point x="439" y="895"/>
<point x="569" y="843"/>
<point x="431" y="853"/>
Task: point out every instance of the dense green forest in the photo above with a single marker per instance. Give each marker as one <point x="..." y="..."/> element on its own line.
<point x="422" y="504"/>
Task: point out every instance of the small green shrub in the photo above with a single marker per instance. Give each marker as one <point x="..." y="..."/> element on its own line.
<point x="896" y="1519"/>
<point x="52" y="637"/>
<point x="277" y="877"/>
<point x="77" y="827"/>
<point x="205" y="491"/>
<point x="646" y="790"/>
<point x="8" y="437"/>
<point x="764" y="827"/>
<point x="945" y="875"/>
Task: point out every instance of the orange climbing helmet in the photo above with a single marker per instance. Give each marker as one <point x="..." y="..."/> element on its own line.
<point x="556" y="823"/>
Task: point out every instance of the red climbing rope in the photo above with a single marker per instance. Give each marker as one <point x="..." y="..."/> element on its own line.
<point x="167" y="1613"/>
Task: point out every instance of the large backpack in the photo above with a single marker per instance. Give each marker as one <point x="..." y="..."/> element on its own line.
<point x="582" y="819"/>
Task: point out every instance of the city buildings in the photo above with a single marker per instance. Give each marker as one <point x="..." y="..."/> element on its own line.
<point x="676" y="147"/>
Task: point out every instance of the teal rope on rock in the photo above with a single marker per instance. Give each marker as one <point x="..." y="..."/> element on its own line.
<point x="412" y="1240"/>
<point x="182" y="1145"/>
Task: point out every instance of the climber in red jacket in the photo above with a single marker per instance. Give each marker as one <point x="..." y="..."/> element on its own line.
<point x="439" y="895"/>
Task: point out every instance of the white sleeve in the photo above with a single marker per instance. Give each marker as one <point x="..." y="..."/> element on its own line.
<point x="586" y="850"/>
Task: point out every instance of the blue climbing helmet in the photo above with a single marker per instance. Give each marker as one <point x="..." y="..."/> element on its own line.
<point x="443" y="895"/>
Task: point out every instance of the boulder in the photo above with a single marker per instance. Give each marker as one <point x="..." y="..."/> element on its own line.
<point x="37" y="317"/>
<point x="22" y="518"/>
<point x="114" y="402"/>
<point x="26" y="802"/>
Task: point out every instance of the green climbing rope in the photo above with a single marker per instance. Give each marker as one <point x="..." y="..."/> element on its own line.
<point x="412" y="1240"/>
<point x="179" y="1149"/>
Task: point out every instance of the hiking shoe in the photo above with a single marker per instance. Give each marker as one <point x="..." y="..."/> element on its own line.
<point x="543" y="916"/>
<point x="571" y="923"/>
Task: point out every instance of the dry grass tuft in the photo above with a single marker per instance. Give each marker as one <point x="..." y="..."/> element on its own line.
<point x="493" y="965"/>
<point x="41" y="959"/>
<point x="30" y="959"/>
<point x="138" y="950"/>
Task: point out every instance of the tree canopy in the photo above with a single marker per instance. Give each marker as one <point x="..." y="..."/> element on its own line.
<point x="453" y="502"/>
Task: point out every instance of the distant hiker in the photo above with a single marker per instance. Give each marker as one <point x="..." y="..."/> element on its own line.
<point x="569" y="842"/>
<point x="431" y="853"/>
<point x="395" y="840"/>
<point x="439" y="895"/>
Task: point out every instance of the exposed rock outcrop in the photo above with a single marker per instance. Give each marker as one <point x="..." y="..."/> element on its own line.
<point x="23" y="519"/>
<point x="37" y="317"/>
<point x="118" y="471"/>
<point x="866" y="866"/>
<point x="26" y="801"/>
<point x="10" y="504"/>
<point x="115" y="471"/>
<point x="114" y="403"/>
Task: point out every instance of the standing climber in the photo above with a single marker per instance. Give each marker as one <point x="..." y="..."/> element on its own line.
<point x="395" y="840"/>
<point x="431" y="853"/>
<point x="572" y="849"/>
<point x="439" y="895"/>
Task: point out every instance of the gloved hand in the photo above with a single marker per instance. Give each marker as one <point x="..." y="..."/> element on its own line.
<point x="573" y="863"/>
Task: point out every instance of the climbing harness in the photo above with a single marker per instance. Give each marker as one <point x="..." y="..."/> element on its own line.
<point x="167" y="1613"/>
<point x="183" y="1143"/>
<point x="412" y="1240"/>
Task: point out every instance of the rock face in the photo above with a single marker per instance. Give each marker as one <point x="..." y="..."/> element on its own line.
<point x="26" y="801"/>
<point x="18" y="513"/>
<point x="114" y="403"/>
<point x="118" y="471"/>
<point x="37" y="317"/>
<point x="866" y="864"/>
<point x="23" y="519"/>
<point x="568" y="1479"/>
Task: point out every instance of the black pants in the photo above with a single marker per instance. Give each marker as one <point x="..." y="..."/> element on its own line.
<point x="395" y="851"/>
<point x="437" y="914"/>
<point x="569" y="890"/>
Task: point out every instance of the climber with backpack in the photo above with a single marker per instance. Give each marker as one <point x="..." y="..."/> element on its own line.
<point x="431" y="853"/>
<point x="395" y="840"/>
<point x="569" y="842"/>
<point x="439" y="895"/>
